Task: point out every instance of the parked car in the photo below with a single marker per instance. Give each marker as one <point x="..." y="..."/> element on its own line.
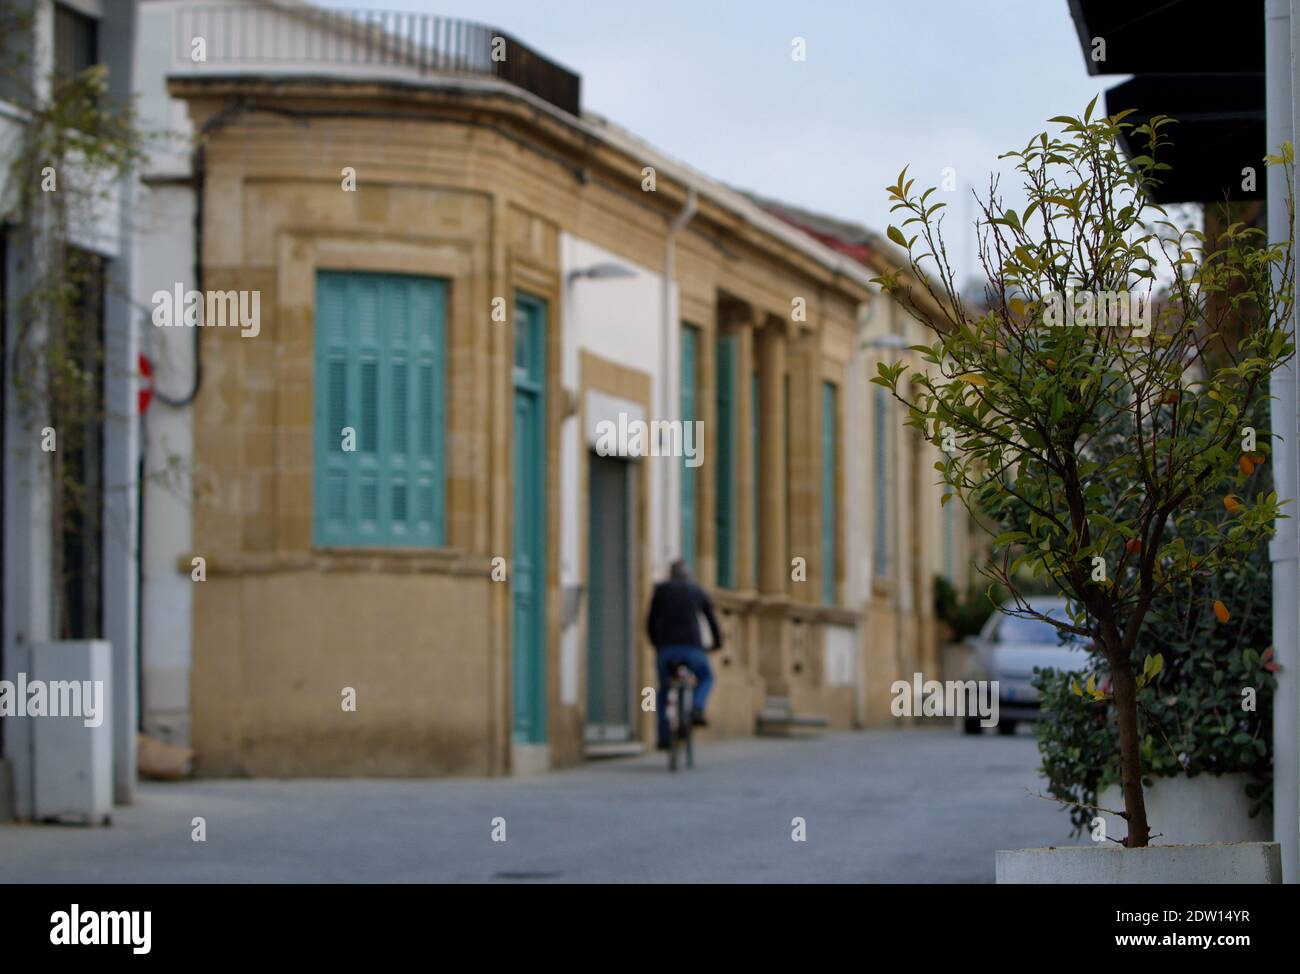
<point x="1009" y="648"/>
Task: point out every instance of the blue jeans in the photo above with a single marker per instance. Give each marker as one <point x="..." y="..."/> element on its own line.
<point x="695" y="659"/>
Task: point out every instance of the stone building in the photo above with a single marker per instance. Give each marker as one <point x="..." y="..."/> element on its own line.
<point x="398" y="492"/>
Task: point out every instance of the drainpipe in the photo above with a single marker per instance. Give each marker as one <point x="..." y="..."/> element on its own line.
<point x="1281" y="22"/>
<point x="667" y="546"/>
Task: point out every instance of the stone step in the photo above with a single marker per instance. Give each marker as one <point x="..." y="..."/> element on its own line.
<point x="595" y="750"/>
<point x="785" y="723"/>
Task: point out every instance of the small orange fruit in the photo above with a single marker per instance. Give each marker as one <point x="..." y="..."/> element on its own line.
<point x="1231" y="505"/>
<point x="1247" y="467"/>
<point x="1220" y="611"/>
<point x="1133" y="545"/>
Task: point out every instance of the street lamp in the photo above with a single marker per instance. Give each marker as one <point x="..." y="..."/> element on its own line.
<point x="895" y="342"/>
<point x="605" y="271"/>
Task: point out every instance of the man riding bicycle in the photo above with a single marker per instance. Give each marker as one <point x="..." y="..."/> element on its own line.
<point x="674" y="629"/>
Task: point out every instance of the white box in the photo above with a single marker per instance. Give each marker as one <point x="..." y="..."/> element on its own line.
<point x="73" y="766"/>
<point x="1219" y="863"/>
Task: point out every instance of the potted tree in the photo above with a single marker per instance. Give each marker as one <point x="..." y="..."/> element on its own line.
<point x="1094" y="408"/>
<point x="1205" y="721"/>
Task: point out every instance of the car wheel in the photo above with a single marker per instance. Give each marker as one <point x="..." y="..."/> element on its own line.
<point x="1006" y="727"/>
<point x="971" y="725"/>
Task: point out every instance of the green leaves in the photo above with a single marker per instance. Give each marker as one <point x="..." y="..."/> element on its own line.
<point x="1079" y="438"/>
<point x="1151" y="668"/>
<point x="887" y="375"/>
<point x="1099" y="393"/>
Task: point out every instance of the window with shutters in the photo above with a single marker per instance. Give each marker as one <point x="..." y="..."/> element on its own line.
<point x="787" y="452"/>
<point x="726" y="461"/>
<point x="690" y="390"/>
<point x="830" y="472"/>
<point x="379" y="470"/>
<point x="880" y="483"/>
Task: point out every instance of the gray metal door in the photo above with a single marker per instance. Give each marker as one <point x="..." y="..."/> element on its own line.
<point x="609" y="605"/>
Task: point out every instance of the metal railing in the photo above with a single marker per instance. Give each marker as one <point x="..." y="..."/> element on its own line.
<point x="282" y="39"/>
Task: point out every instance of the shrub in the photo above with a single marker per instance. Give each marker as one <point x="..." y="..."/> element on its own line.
<point x="964" y="615"/>
<point x="1192" y="718"/>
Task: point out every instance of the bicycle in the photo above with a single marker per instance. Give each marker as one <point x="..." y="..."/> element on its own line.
<point x="681" y="696"/>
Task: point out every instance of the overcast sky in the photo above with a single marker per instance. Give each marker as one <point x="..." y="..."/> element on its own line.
<point x="930" y="83"/>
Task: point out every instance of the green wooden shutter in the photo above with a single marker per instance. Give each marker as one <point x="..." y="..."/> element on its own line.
<point x="830" y="463"/>
<point x="690" y="344"/>
<point x="726" y="457"/>
<point x="379" y="368"/>
<point x="881" y="482"/>
<point x="789" y="467"/>
<point x="332" y="411"/>
<point x="428" y="415"/>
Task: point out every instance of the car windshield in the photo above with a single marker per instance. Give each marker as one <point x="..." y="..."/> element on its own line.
<point x="1014" y="630"/>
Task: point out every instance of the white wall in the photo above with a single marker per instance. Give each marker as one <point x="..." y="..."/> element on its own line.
<point x="165" y="256"/>
<point x="164" y="249"/>
<point x="619" y="319"/>
<point x="169" y="156"/>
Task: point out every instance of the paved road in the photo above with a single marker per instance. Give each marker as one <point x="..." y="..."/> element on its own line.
<point x="881" y="806"/>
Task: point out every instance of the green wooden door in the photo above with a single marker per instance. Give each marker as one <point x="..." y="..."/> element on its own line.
<point x="529" y="562"/>
<point x="725" y="458"/>
<point x="830" y="464"/>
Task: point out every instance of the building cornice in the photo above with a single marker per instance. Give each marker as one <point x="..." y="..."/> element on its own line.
<point x="589" y="147"/>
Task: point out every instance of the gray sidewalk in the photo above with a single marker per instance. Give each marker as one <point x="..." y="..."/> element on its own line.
<point x="880" y="806"/>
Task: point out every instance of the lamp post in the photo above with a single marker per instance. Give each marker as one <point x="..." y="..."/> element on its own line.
<point x="604" y="271"/>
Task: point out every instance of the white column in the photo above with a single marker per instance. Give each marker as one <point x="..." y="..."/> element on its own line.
<point x="27" y="594"/>
<point x="121" y="435"/>
<point x="1281" y="21"/>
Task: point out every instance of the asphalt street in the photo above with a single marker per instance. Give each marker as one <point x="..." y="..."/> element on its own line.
<point x="922" y="805"/>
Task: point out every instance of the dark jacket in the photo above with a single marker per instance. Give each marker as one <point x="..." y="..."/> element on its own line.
<point x="675" y="615"/>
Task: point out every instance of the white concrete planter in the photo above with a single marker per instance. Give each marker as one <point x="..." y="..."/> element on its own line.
<point x="1190" y="811"/>
<point x="73" y="766"/>
<point x="1221" y="863"/>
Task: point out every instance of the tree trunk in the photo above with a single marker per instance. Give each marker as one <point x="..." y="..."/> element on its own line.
<point x="1130" y="750"/>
